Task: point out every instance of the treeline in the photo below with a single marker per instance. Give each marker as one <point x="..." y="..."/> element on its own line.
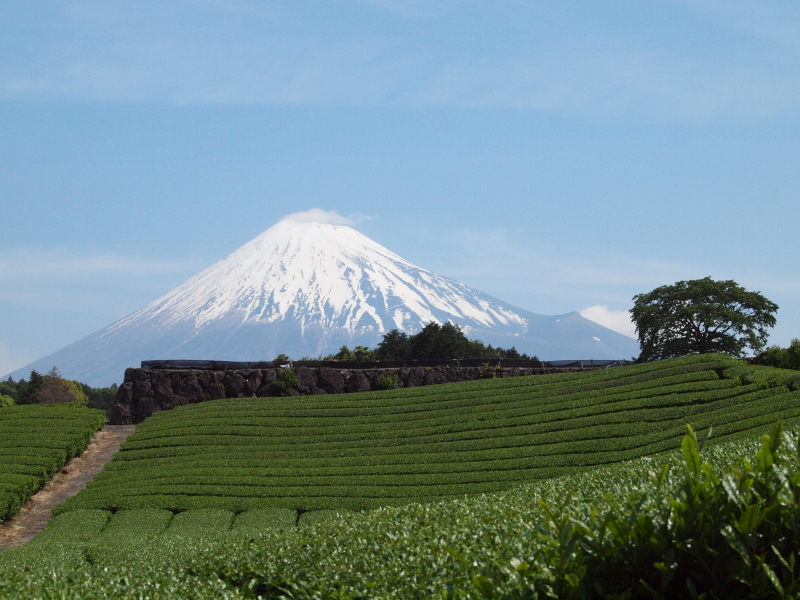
<point x="434" y="341"/>
<point x="783" y="358"/>
<point x="52" y="388"/>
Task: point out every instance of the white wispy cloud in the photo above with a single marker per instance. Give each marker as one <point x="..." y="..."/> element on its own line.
<point x="29" y="264"/>
<point x="317" y="215"/>
<point x="773" y="21"/>
<point x="64" y="281"/>
<point x="615" y="83"/>
<point x="617" y="320"/>
<point x="257" y="53"/>
<point x="504" y="255"/>
<point x="329" y="217"/>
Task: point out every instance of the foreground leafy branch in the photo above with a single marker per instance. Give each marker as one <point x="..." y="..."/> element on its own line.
<point x="703" y="536"/>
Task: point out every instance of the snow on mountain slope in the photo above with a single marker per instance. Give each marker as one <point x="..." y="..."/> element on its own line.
<point x="326" y="275"/>
<point x="305" y="289"/>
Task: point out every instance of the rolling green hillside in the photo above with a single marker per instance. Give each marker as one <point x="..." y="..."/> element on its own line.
<point x="245" y="498"/>
<point x="515" y="544"/>
<point x="363" y="451"/>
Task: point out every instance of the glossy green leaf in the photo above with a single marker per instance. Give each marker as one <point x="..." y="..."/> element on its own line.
<point x="691" y="454"/>
<point x="776" y="582"/>
<point x="750" y="519"/>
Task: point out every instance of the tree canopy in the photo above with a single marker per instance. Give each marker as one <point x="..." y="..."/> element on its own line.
<point x="434" y="341"/>
<point x="783" y="358"/>
<point x="700" y="316"/>
<point x="56" y="389"/>
<point x="52" y="388"/>
<point x="31" y="389"/>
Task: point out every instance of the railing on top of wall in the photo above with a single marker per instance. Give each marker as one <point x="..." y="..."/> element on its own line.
<point x="511" y="363"/>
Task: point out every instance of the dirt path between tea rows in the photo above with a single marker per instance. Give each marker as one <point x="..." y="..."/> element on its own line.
<point x="37" y="512"/>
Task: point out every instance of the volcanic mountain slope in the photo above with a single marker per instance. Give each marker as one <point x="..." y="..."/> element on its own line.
<point x="305" y="289"/>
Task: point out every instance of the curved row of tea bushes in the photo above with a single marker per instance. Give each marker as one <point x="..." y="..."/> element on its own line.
<point x="387" y="448"/>
<point x="36" y="441"/>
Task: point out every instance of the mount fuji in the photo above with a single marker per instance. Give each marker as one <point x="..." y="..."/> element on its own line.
<point x="305" y="289"/>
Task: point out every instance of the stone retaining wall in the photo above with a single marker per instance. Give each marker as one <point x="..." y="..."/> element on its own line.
<point x="146" y="391"/>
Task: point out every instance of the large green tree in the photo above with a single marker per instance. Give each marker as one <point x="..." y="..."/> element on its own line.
<point x="56" y="389"/>
<point x="396" y="345"/>
<point x="699" y="316"/>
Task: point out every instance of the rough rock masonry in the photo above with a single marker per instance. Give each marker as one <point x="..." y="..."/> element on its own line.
<point x="146" y="391"/>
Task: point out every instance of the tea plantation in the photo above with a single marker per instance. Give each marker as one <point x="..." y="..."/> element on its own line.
<point x="508" y="488"/>
<point x="364" y="451"/>
<point x="36" y="441"/>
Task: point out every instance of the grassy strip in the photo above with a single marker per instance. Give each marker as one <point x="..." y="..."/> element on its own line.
<point x="321" y="461"/>
<point x="254" y="522"/>
<point x="200" y="523"/>
<point x="232" y="469"/>
<point x="132" y="525"/>
<point x="494" y="439"/>
<point x="354" y="433"/>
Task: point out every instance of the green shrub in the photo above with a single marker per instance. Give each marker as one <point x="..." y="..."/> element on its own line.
<point x="713" y="535"/>
<point x="714" y="524"/>
<point x="264" y="520"/>
<point x="200" y="523"/>
<point x="783" y="358"/>
<point x="286" y="382"/>
<point x="307" y="519"/>
<point x="488" y="372"/>
<point x="394" y="447"/>
<point x="387" y="381"/>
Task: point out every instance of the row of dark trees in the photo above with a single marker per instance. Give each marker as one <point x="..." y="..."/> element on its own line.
<point x="52" y="388"/>
<point x="434" y="341"/>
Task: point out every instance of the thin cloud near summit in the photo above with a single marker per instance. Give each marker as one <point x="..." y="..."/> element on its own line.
<point x="617" y="320"/>
<point x="327" y="217"/>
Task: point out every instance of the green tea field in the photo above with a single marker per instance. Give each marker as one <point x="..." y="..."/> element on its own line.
<point x="472" y="490"/>
<point x="363" y="451"/>
<point x="35" y="442"/>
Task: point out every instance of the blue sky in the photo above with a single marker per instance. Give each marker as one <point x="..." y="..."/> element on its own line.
<point x="559" y="156"/>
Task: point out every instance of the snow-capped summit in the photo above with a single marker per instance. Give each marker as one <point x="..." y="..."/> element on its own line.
<point x="305" y="287"/>
<point x="320" y="275"/>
